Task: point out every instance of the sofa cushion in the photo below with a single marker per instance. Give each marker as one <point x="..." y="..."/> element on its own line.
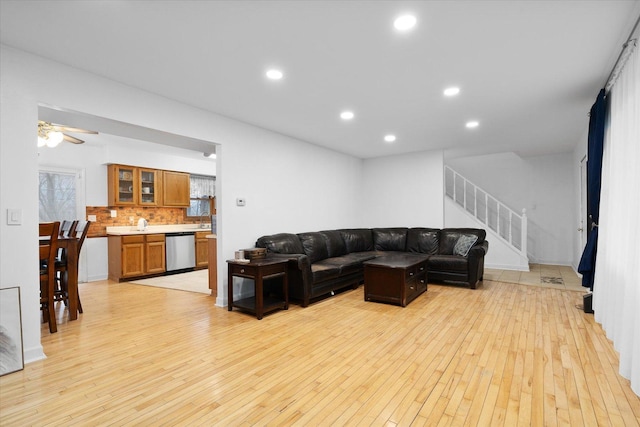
<point x="449" y="237"/>
<point x="389" y="239"/>
<point x="423" y="240"/>
<point x="314" y="245"/>
<point x="447" y="263"/>
<point x="357" y="239"/>
<point x="464" y="243"/>
<point x="281" y="243"/>
<point x="335" y="244"/>
<point x="322" y="270"/>
<point x="345" y="264"/>
<point x="350" y="262"/>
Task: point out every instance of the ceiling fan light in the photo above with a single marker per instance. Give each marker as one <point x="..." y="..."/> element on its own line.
<point x="54" y="138"/>
<point x="41" y="141"/>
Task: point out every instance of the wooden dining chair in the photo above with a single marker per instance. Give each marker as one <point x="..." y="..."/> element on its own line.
<point x="79" y="230"/>
<point x="67" y="228"/>
<point x="48" y="249"/>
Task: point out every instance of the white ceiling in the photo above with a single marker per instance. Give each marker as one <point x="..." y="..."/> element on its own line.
<point x="528" y="70"/>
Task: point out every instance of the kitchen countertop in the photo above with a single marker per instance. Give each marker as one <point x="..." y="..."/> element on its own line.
<point x="157" y="229"/>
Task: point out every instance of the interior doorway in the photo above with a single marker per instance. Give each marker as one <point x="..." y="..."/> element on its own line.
<point x="117" y="142"/>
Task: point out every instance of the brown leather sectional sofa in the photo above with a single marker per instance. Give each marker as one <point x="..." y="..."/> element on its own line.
<point x="321" y="262"/>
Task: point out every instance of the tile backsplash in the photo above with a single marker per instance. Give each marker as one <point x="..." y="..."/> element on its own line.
<point x="129" y="215"/>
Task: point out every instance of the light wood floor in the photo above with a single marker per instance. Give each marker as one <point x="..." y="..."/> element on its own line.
<point x="549" y="276"/>
<point x="503" y="354"/>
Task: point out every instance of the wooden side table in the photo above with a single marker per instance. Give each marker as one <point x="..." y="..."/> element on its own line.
<point x="259" y="270"/>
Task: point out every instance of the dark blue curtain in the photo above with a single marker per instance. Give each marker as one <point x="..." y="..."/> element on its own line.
<point x="598" y="116"/>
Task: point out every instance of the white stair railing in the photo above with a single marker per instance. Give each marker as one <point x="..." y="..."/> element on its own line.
<point x="508" y="225"/>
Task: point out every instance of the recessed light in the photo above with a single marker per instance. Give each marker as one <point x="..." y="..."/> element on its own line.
<point x="472" y="124"/>
<point x="347" y="115"/>
<point x="404" y="22"/>
<point x="274" y="74"/>
<point x="389" y="138"/>
<point x="451" y="91"/>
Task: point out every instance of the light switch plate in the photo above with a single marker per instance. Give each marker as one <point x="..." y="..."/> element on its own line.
<point x="240" y="201"/>
<point x="114" y="213"/>
<point x="14" y="216"/>
<point x="92" y="218"/>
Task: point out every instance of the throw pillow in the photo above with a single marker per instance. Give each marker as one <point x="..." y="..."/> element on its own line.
<point x="464" y="244"/>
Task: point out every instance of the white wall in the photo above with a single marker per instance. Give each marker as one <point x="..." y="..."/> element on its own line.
<point x="92" y="160"/>
<point x="544" y="186"/>
<point x="289" y="185"/>
<point x="403" y="191"/>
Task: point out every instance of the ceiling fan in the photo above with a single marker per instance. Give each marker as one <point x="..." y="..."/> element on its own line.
<point x="52" y="134"/>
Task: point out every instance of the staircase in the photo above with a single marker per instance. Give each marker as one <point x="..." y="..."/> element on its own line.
<point x="507" y="225"/>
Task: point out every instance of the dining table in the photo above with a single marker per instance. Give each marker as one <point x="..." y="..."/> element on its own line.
<point x="70" y="244"/>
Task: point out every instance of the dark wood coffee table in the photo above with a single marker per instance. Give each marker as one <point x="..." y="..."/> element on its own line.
<point x="396" y="279"/>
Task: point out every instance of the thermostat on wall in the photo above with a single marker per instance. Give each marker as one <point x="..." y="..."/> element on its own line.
<point x="240" y="201"/>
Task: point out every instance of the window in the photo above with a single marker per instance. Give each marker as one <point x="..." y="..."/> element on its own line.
<point x="59" y="196"/>
<point x="203" y="192"/>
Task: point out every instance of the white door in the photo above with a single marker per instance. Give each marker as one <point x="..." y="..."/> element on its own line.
<point x="583" y="226"/>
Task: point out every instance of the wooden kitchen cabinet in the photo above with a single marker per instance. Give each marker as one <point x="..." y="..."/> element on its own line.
<point x="175" y="189"/>
<point x="202" y="249"/>
<point x="133" y="186"/>
<point x="123" y="185"/>
<point x="155" y="253"/>
<point x="132" y="256"/>
<point x="213" y="265"/>
<point x="136" y="255"/>
<point x="149" y="187"/>
<point x="137" y="186"/>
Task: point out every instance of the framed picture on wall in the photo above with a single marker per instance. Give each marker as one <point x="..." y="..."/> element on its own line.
<point x="11" y="352"/>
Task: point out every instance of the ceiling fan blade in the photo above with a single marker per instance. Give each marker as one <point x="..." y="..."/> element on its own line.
<point x="72" y="139"/>
<point x="63" y="128"/>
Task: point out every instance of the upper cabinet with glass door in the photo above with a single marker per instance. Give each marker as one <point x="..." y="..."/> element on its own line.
<point x="123" y="185"/>
<point x="138" y="186"/>
<point x="149" y="187"/>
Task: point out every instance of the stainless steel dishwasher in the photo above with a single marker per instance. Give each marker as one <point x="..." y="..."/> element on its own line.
<point x="181" y="251"/>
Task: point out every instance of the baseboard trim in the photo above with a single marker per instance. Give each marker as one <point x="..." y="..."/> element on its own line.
<point x="507" y="267"/>
<point x="34" y="354"/>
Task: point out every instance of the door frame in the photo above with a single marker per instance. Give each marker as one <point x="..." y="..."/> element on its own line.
<point x="582" y="222"/>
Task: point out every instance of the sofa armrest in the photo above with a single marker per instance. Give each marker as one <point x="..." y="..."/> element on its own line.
<point x="300" y="259"/>
<point x="479" y="250"/>
<point x="300" y="277"/>
<point x="475" y="263"/>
